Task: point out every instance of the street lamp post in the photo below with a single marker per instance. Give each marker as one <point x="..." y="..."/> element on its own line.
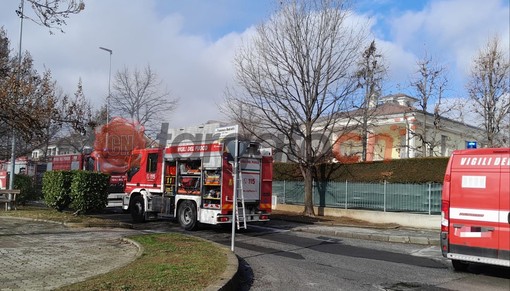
<point x="108" y="97"/>
<point x="18" y="91"/>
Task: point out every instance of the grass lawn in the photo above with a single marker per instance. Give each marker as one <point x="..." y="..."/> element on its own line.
<point x="169" y="261"/>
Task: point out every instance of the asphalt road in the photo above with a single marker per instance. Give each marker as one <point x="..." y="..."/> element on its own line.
<point x="274" y="257"/>
<point x="298" y="261"/>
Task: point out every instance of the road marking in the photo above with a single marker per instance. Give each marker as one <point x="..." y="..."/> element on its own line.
<point x="270" y="229"/>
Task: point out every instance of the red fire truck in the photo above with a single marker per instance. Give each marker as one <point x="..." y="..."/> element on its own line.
<point x="89" y="162"/>
<point x="194" y="182"/>
<point x="4" y="179"/>
<point x="66" y="162"/>
<point x="475" y="213"/>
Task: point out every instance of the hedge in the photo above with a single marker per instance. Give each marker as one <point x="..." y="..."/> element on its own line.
<point x="419" y="170"/>
<point x="27" y="192"/>
<point x="55" y="189"/>
<point x="82" y="191"/>
<point x="89" y="191"/>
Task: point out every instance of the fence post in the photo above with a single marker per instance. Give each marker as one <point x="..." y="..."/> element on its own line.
<point x="345" y="194"/>
<point x="430" y="195"/>
<point x="284" y="193"/>
<point x="384" y="203"/>
<point x="313" y="191"/>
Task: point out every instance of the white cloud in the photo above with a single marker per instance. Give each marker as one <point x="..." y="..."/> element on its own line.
<point x="192" y="68"/>
<point x="452" y="32"/>
<point x="400" y="63"/>
<point x="191" y="49"/>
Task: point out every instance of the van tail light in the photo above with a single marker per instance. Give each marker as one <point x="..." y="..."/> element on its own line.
<point x="445" y="215"/>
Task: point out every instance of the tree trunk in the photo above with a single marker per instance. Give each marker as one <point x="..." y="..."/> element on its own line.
<point x="308" y="179"/>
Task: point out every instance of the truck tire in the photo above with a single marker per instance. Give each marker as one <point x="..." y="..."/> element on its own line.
<point x="187" y="215"/>
<point x="460" y="266"/>
<point x="137" y="209"/>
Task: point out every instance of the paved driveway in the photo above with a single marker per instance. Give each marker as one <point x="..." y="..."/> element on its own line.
<point x="43" y="256"/>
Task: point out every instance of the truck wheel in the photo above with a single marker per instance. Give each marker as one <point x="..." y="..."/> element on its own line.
<point x="137" y="209"/>
<point x="187" y="215"/>
<point x="460" y="266"/>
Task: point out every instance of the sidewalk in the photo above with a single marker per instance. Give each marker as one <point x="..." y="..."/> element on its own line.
<point x="40" y="255"/>
<point x="358" y="229"/>
<point x="336" y="226"/>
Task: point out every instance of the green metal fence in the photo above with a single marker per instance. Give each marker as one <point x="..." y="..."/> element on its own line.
<point x="391" y="197"/>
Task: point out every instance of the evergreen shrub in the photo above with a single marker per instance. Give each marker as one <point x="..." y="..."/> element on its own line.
<point x="89" y="191"/>
<point x="56" y="189"/>
<point x="407" y="171"/>
<point x="27" y="192"/>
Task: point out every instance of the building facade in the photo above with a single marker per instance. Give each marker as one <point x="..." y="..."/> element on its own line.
<point x="396" y="129"/>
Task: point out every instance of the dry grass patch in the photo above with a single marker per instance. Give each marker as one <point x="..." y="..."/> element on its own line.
<point x="169" y="262"/>
<point x="40" y="213"/>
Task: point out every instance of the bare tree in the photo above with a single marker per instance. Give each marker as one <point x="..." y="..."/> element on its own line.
<point x="52" y="13"/>
<point x="4" y="54"/>
<point x="139" y="95"/>
<point x="73" y="117"/>
<point x="32" y="105"/>
<point x="232" y="109"/>
<point x="488" y="88"/>
<point x="430" y="84"/>
<point x="371" y="72"/>
<point x="25" y="111"/>
<point x="295" y="75"/>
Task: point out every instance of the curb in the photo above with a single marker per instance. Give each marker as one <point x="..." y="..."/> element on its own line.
<point x="76" y="224"/>
<point x="104" y="225"/>
<point x="376" y="237"/>
<point x="139" y="246"/>
<point x="228" y="279"/>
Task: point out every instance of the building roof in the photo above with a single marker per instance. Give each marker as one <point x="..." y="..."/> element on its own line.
<point x="391" y="105"/>
<point x="393" y="108"/>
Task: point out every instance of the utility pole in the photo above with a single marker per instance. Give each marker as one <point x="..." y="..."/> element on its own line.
<point x="108" y="97"/>
<point x="18" y="91"/>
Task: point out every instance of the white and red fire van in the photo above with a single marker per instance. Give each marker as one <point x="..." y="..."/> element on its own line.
<point x="475" y="211"/>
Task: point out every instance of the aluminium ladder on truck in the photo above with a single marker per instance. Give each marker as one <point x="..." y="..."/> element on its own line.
<point x="240" y="211"/>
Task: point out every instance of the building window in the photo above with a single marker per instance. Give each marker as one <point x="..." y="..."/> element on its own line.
<point x="403" y="147"/>
<point x="152" y="163"/>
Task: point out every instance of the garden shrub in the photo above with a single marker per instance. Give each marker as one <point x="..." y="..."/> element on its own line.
<point x="27" y="192"/>
<point x="419" y="170"/>
<point x="89" y="191"/>
<point x="56" y="189"/>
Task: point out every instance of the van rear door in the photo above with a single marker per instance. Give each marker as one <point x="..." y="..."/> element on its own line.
<point x="475" y="204"/>
<point x="504" y="216"/>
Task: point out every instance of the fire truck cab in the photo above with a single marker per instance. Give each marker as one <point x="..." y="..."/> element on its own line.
<point x="475" y="211"/>
<point x="194" y="182"/>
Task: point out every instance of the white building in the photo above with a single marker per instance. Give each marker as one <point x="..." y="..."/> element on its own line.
<point x="397" y="129"/>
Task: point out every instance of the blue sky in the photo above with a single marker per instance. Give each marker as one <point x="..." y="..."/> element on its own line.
<point x="190" y="44"/>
